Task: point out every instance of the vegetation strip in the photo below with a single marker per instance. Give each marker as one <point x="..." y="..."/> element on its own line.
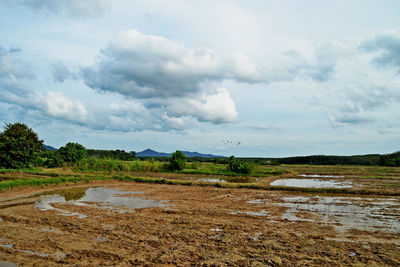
<point x="4" y="185"/>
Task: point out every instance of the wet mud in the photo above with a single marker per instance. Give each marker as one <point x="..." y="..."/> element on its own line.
<point x="153" y="224"/>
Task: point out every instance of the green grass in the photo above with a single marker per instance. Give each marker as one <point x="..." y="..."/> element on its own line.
<point x="47" y="181"/>
<point x="220" y="169"/>
<point x="92" y="164"/>
<point x="4" y="185"/>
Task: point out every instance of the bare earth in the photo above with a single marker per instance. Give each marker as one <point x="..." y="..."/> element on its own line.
<point x="196" y="226"/>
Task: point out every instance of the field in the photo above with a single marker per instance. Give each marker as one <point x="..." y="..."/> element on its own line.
<point x="124" y="214"/>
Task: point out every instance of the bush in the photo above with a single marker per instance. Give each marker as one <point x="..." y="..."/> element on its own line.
<point x="72" y="152"/>
<point x="19" y="146"/>
<point x="176" y="162"/>
<point x="52" y="159"/>
<point x="239" y="166"/>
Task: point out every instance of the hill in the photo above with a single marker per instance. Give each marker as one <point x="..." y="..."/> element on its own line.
<point x="49" y="147"/>
<point x="152" y="153"/>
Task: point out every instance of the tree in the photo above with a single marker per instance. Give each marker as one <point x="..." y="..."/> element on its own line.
<point x="72" y="152"/>
<point x="176" y="162"/>
<point x="19" y="146"/>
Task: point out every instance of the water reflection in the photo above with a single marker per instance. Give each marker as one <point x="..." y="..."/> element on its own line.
<point x="345" y="213"/>
<point x="214" y="180"/>
<point x="99" y="197"/>
<point x="315" y="183"/>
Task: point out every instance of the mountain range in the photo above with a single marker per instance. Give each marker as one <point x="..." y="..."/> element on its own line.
<point x="151" y="153"/>
<point x="49" y="147"/>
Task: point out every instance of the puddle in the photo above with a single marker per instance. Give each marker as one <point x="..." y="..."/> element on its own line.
<point x="99" y="197"/>
<point x="109" y="227"/>
<point x="315" y="183"/>
<point x="6" y="246"/>
<point x="54" y="230"/>
<point x="256" y="201"/>
<point x="345" y="213"/>
<point x="43" y="255"/>
<point x="11" y="246"/>
<point x="7" y="264"/>
<point x="101" y="239"/>
<point x="254" y="237"/>
<point x="215" y="230"/>
<point x="214" y="180"/>
<point x="319" y="176"/>
<point x="252" y="213"/>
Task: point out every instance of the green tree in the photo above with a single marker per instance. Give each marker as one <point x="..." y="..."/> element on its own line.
<point x="176" y="162"/>
<point x="19" y="146"/>
<point x="72" y="152"/>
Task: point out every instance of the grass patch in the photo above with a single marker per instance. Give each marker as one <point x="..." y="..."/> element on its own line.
<point x="92" y="164"/>
<point x="47" y="181"/>
<point x="85" y="179"/>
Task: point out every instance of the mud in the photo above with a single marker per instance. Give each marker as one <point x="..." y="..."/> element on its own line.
<point x="197" y="225"/>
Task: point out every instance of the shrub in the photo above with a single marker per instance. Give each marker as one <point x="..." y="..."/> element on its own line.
<point x="176" y="162"/>
<point x="19" y="146"/>
<point x="195" y="165"/>
<point x="51" y="159"/>
<point x="239" y="166"/>
<point x="72" y="152"/>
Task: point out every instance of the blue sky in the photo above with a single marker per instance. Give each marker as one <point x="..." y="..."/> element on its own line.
<point x="283" y="78"/>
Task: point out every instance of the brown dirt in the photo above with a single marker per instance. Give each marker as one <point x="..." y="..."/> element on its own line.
<point x="197" y="228"/>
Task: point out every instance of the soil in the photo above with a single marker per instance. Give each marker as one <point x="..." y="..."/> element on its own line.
<point x="200" y="226"/>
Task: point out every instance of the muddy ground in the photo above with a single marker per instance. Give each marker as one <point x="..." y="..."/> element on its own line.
<point x="197" y="226"/>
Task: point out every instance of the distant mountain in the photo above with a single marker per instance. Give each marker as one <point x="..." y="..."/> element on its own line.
<point x="152" y="153"/>
<point x="200" y="155"/>
<point x="49" y="147"/>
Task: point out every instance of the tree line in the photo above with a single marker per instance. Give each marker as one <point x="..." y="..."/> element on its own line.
<point x="20" y="147"/>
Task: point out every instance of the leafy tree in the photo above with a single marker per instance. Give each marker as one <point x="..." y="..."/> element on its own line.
<point x="19" y="146"/>
<point x="72" y="152"/>
<point x="176" y="162"/>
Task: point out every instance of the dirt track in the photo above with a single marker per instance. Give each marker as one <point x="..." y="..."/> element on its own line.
<point x="200" y="225"/>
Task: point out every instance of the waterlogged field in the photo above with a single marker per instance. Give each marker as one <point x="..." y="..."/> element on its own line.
<point x="279" y="215"/>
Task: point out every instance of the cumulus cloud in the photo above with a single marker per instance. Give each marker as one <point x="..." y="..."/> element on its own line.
<point x="68" y="8"/>
<point x="217" y="108"/>
<point x="179" y="84"/>
<point x="175" y="82"/>
<point x="387" y="48"/>
<point x="147" y="66"/>
<point x="59" y="106"/>
<point x="15" y="79"/>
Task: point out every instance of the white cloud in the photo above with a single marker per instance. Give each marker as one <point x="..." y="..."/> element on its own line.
<point x="217" y="108"/>
<point x="16" y="77"/>
<point x="174" y="83"/>
<point x="147" y="66"/>
<point x="58" y="106"/>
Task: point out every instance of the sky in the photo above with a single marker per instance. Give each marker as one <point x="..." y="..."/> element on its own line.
<point x="253" y="78"/>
